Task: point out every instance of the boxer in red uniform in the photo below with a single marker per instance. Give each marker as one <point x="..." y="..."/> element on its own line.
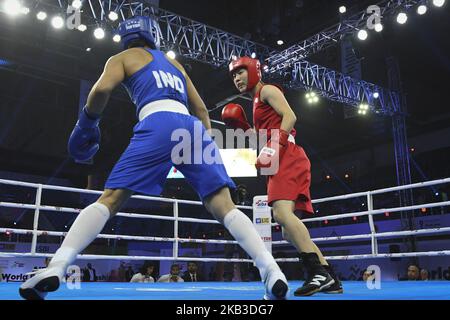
<point x="287" y="185"/>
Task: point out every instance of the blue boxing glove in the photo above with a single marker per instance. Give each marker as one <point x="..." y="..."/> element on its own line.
<point x="85" y="138"/>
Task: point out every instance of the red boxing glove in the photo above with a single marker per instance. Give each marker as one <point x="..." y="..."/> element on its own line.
<point x="273" y="150"/>
<point x="234" y="116"/>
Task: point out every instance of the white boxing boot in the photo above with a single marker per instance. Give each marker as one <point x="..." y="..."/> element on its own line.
<point x="276" y="284"/>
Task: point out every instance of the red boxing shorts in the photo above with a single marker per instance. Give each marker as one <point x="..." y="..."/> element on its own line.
<point x="292" y="180"/>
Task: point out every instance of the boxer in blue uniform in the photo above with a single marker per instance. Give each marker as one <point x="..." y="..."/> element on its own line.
<point x="162" y="92"/>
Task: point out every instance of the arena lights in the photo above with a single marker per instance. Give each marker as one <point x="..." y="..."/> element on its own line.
<point x="280" y="42"/>
<point x="12" y="7"/>
<point x="342" y="9"/>
<point x="422" y="9"/>
<point x="402" y="18"/>
<point x="116" y="38"/>
<point x="41" y="15"/>
<point x="234" y="58"/>
<point x="328" y="177"/>
<point x="347" y="176"/>
<point x="113" y="16"/>
<point x="265" y="68"/>
<point x="376" y="95"/>
<point x="438" y="3"/>
<point x="24" y="10"/>
<point x="253" y="55"/>
<point x="363" y="108"/>
<point x="379" y="27"/>
<point x="362" y="34"/>
<point x="82" y="27"/>
<point x="76" y="4"/>
<point x="88" y="49"/>
<point x="171" y="54"/>
<point x="57" y="22"/>
<point x="99" y="33"/>
<point x="312" y="97"/>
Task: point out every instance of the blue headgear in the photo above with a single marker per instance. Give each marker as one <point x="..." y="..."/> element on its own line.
<point x="139" y="27"/>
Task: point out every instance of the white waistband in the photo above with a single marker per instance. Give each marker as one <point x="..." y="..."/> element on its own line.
<point x="162" y="105"/>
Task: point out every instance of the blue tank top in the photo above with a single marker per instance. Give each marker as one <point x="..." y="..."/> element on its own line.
<point x="158" y="80"/>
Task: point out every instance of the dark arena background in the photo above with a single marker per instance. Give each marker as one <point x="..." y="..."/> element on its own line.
<point x="366" y="80"/>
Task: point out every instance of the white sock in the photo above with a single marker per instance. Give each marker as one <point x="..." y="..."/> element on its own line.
<point x="84" y="230"/>
<point x="243" y="230"/>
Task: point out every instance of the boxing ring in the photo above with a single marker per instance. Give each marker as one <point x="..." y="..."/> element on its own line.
<point x="354" y="290"/>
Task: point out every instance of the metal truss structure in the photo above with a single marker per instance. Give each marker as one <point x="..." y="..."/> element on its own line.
<point x="189" y="38"/>
<point x="338" y="87"/>
<point x="331" y="36"/>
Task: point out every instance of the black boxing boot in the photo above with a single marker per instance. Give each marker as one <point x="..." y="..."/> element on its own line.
<point x="317" y="279"/>
<point x="336" y="287"/>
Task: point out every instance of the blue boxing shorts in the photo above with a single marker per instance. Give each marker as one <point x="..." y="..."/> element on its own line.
<point x="145" y="164"/>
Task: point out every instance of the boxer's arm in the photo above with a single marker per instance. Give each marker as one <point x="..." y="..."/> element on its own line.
<point x="113" y="74"/>
<point x="197" y="104"/>
<point x="275" y="98"/>
<point x="195" y="101"/>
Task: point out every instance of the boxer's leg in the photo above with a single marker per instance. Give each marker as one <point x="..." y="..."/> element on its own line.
<point x="296" y="232"/>
<point x="242" y="229"/>
<point x="84" y="230"/>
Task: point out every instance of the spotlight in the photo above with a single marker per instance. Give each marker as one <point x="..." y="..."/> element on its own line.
<point x="76" y="4"/>
<point x="15" y="223"/>
<point x="280" y="42"/>
<point x="116" y="38"/>
<point x="88" y="49"/>
<point x="265" y="68"/>
<point x="376" y="95"/>
<point x="379" y="27"/>
<point x="328" y="177"/>
<point x="363" y="108"/>
<point x="99" y="33"/>
<point x="233" y="57"/>
<point x="171" y="54"/>
<point x="422" y="9"/>
<point x="362" y="35"/>
<point x="402" y="18"/>
<point x="253" y="55"/>
<point x="82" y="27"/>
<point x="438" y="3"/>
<point x="342" y="9"/>
<point x="65" y="227"/>
<point x="346" y="176"/>
<point x="113" y="16"/>
<point x="312" y="97"/>
<point x="12" y="7"/>
<point x="436" y="194"/>
<point x="41" y="15"/>
<point x="25" y="10"/>
<point x="57" y="22"/>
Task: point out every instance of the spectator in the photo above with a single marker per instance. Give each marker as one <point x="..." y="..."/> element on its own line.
<point x="413" y="273"/>
<point x="424" y="275"/>
<point x="122" y="272"/>
<point x="129" y="274"/>
<point x="191" y="274"/>
<point x="89" y="274"/>
<point x="114" y="276"/>
<point x="366" y="275"/>
<point x="144" y="275"/>
<point x="173" y="276"/>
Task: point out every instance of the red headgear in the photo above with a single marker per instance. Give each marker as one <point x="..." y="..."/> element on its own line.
<point x="253" y="67"/>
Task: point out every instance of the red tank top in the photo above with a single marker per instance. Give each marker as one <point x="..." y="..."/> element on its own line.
<point x="264" y="116"/>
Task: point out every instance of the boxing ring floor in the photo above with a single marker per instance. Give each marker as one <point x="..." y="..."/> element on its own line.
<point x="354" y="290"/>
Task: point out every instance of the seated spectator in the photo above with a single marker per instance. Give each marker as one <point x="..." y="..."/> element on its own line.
<point x="144" y="275"/>
<point x="89" y="274"/>
<point x="191" y="274"/>
<point x="366" y="275"/>
<point x="173" y="276"/>
<point x="413" y="273"/>
<point x="424" y="275"/>
<point x="129" y="274"/>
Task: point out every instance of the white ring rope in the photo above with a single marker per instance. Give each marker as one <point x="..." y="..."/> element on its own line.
<point x="176" y="240"/>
